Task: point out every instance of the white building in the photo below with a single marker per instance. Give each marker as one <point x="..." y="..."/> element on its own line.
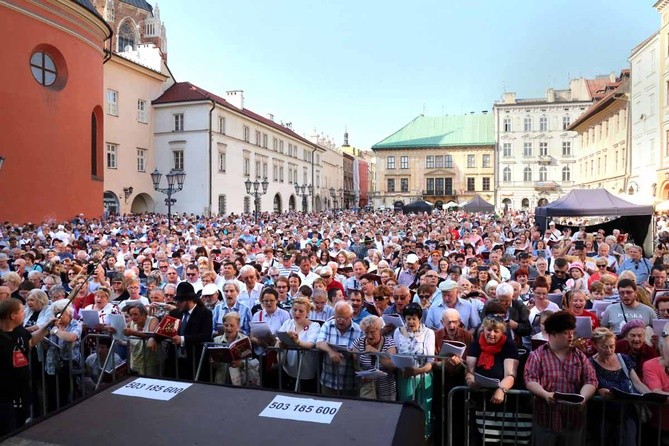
<point x="644" y="119"/>
<point x="535" y="154"/>
<point x="333" y="171"/>
<point x="219" y="144"/>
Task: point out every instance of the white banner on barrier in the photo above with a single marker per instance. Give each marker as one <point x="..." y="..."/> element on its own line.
<point x="154" y="389"/>
<point x="301" y="409"/>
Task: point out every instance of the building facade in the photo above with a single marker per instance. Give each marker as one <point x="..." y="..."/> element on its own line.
<point x="645" y="119"/>
<point x="219" y="144"/>
<point x="332" y="182"/>
<point x="536" y="154"/>
<point x="604" y="156"/>
<point x="52" y="113"/>
<point x="439" y="159"/>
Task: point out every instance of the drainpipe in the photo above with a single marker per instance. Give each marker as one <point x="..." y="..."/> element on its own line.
<point x="211" y="175"/>
<point x="108" y="51"/>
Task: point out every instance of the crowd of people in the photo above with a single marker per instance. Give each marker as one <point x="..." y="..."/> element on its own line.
<point x="335" y="302"/>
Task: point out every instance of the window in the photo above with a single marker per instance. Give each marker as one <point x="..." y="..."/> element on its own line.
<point x="258" y="140"/>
<point x="280" y="146"/>
<point x="543" y="149"/>
<point x="527" y="174"/>
<point x="506" y="174"/>
<point x="566" y="122"/>
<point x="264" y="140"/>
<point x="448" y="161"/>
<point x="290" y="175"/>
<point x="486" y="183"/>
<point x="179" y="122"/>
<point x="439" y="161"/>
<point x="429" y="162"/>
<point x="404" y="184"/>
<point x="247" y="204"/>
<point x="391" y="185"/>
<point x="448" y="186"/>
<point x="247" y="167"/>
<point x="471" y="161"/>
<point x="112" y="151"/>
<point x="439" y="186"/>
<point x="471" y="184"/>
<point x="221" y="125"/>
<point x="507" y="124"/>
<point x="566" y="174"/>
<point x="222" y="201"/>
<point x="527" y="124"/>
<point x="429" y="184"/>
<point x="543" y="173"/>
<point x="94" y="145"/>
<point x="275" y="173"/>
<point x="404" y="162"/>
<point x="178" y="160"/>
<point x="506" y="150"/>
<point x="275" y="144"/>
<point x="486" y="160"/>
<point x="43" y="68"/>
<point x="566" y="148"/>
<point x="527" y="149"/>
<point x="247" y="134"/>
<point x="221" y="161"/>
<point x="281" y="174"/>
<point x="141" y="160"/>
<point x="142" y="111"/>
<point x="543" y="124"/>
<point x="390" y="162"/>
<point x="112" y="102"/>
<point x="258" y="171"/>
<point x="126" y="36"/>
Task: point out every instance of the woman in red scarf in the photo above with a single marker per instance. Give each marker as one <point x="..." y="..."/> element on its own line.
<point x="493" y="355"/>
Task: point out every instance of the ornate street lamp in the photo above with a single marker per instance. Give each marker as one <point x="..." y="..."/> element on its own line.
<point x="175" y="183"/>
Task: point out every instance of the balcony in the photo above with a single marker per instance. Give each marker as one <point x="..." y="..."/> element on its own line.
<point x="438" y="193"/>
<point x="546" y="185"/>
<point x="545" y="159"/>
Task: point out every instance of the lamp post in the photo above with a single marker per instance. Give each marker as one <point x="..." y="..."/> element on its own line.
<point x="303" y="191"/>
<point x="256" y="193"/>
<point x="175" y="183"/>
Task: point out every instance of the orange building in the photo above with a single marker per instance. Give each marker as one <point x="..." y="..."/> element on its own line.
<point x="51" y="116"/>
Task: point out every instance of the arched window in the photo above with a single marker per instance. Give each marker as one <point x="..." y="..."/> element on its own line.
<point x="507" y="174"/>
<point x="543" y="173"/>
<point x="126" y="36"/>
<point x="527" y="174"/>
<point x="525" y="203"/>
<point x="566" y="174"/>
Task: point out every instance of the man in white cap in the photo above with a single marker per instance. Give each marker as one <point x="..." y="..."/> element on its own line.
<point x="210" y="296"/>
<point x="407" y="276"/>
<point x="449" y="299"/>
<point x="552" y="234"/>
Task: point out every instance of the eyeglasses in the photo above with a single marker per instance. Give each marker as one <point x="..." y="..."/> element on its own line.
<point x="326" y="277"/>
<point x="169" y="295"/>
<point x="191" y="274"/>
<point x="494" y="317"/>
<point x="424" y="296"/>
<point x="379" y="298"/>
<point x="281" y="287"/>
<point x="601" y="266"/>
<point x="560" y="273"/>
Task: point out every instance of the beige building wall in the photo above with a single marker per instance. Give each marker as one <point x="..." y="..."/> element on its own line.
<point x="413" y="168"/>
<point x="604" y="148"/>
<point x="129" y="151"/>
<point x="662" y="192"/>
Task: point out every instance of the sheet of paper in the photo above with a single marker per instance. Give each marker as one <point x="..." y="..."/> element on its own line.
<point x="452" y="348"/>
<point x="660" y="326"/>
<point x="599" y="306"/>
<point x="485" y="382"/>
<point x="301" y="409"/>
<point x="260" y="329"/>
<point x="286" y="339"/>
<point x="402" y="361"/>
<point x="118" y="322"/>
<point x="393" y="319"/>
<point x="339" y="348"/>
<point x="153" y="389"/>
<point x="90" y="317"/>
<point x="583" y="327"/>
<point x="373" y="373"/>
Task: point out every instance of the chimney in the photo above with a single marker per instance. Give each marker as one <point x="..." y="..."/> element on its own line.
<point x="346" y="138"/>
<point x="550" y="95"/>
<point x="509" y="97"/>
<point x="235" y="98"/>
<point x="485" y="112"/>
<point x="270" y="116"/>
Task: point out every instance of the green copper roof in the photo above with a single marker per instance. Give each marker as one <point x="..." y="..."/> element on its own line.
<point x="442" y="131"/>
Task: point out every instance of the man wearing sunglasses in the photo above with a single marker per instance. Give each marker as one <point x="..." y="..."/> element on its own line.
<point x="637" y="264"/>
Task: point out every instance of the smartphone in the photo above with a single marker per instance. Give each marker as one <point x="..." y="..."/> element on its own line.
<point x="90" y="268"/>
<point x="541" y="253"/>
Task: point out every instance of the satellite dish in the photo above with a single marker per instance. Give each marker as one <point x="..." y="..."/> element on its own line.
<point x="127" y="48"/>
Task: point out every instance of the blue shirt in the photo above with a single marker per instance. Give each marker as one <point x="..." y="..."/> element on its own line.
<point x="468" y="314"/>
<point x="641" y="268"/>
<point x="338" y="376"/>
<point x="221" y="309"/>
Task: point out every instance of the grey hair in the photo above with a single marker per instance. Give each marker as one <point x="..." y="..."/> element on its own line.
<point x="40" y="295"/>
<point x="234" y="283"/>
<point x="504" y="289"/>
<point x="62" y="305"/>
<point x="55" y="290"/>
<point x="371" y="321"/>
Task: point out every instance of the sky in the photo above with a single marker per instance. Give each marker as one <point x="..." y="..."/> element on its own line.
<point x="372" y="66"/>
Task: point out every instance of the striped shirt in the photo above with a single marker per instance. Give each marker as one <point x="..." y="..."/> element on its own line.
<point x="287" y="271"/>
<point x="338" y="376"/>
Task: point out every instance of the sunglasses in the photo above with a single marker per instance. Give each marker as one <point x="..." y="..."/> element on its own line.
<point x="494" y="317"/>
<point x="424" y="296"/>
<point x="379" y="298"/>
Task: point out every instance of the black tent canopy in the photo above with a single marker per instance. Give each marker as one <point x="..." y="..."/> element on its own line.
<point x="632" y="218"/>
<point x="478" y="204"/>
<point x="417" y="207"/>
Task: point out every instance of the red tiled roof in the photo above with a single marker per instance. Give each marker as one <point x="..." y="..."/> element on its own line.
<point x="596" y="87"/>
<point x="187" y="92"/>
<point x="606" y="96"/>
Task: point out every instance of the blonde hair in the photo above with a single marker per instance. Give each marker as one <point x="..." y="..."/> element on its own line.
<point x="232" y="315"/>
<point x="602" y="334"/>
<point x="301" y="300"/>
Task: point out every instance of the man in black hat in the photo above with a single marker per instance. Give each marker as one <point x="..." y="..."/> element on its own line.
<point x="194" y="330"/>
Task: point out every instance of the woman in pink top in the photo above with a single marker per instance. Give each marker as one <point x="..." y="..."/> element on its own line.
<point x="656" y="377"/>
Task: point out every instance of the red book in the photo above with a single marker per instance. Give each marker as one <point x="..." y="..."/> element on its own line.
<point x="239" y="349"/>
<point x="168" y="327"/>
